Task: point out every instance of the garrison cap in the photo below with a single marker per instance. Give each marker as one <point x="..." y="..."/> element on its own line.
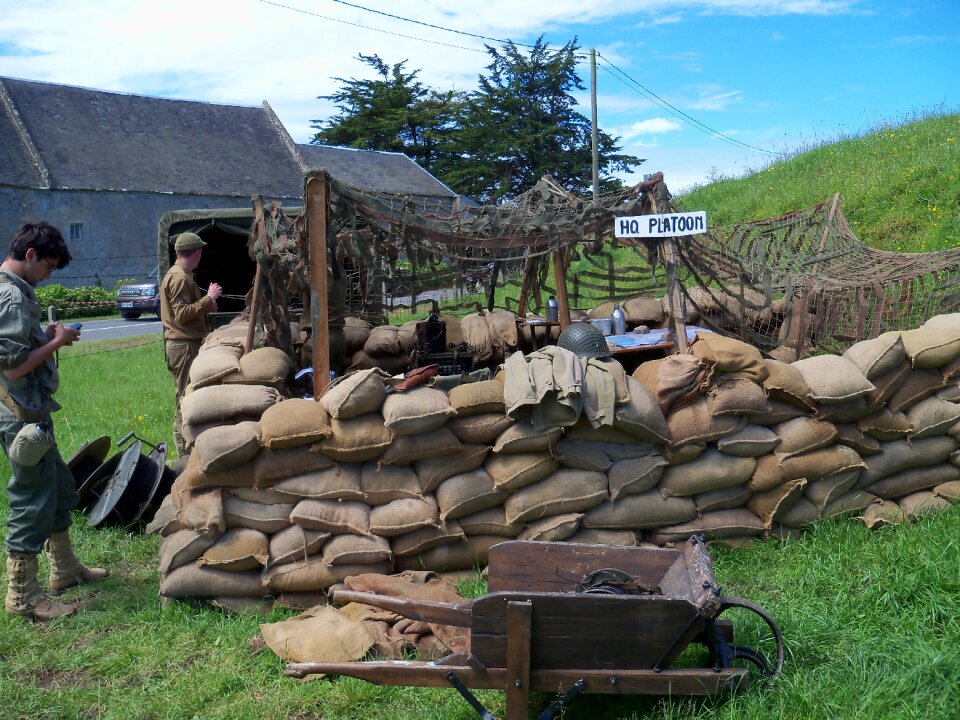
<point x="188" y="241"/>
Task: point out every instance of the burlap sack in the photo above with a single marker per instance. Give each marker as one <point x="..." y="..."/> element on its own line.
<point x="827" y="489"/>
<point x="477" y="398"/>
<point x="564" y="491"/>
<point x="217" y="403"/>
<point x="584" y="432"/>
<point x="722" y="499"/>
<point x="728" y="355"/>
<point x="239" y="513"/>
<point x="634" y="475"/>
<point x="680" y="454"/>
<point x="802" y="435"/>
<point x="751" y="441"/>
<point x="355" y="394"/>
<point x="640" y="512"/>
<point x="917" y="384"/>
<point x="800" y="514"/>
<point x="595" y="536"/>
<point x="399" y="517"/>
<point x="833" y="378"/>
<point x="680" y="379"/>
<point x="734" y="396"/>
<point x="347" y="549"/>
<point x="338" y="482"/>
<point x="583" y="455"/>
<point x="767" y="475"/>
<point x="618" y="451"/>
<point x="295" y="543"/>
<point x="313" y="574"/>
<point x="904" y="482"/>
<point x="694" y="423"/>
<point x="717" y="524"/>
<point x="407" y="336"/>
<point x="418" y="541"/>
<point x="242" y="475"/>
<point x="849" y="411"/>
<point x="641" y="416"/>
<point x="898" y="455"/>
<point x="466" y="554"/>
<point x="406" y="449"/>
<point x="183" y="547"/>
<point x="237" y="550"/>
<point x="294" y="422"/>
<point x="262" y="366"/>
<point x="944" y="322"/>
<point x="201" y="510"/>
<point x="227" y="447"/>
<point x="928" y="347"/>
<point x="476" y="333"/>
<point x="785" y="384"/>
<point x="512" y="471"/>
<point x="949" y="490"/>
<point x="886" y="425"/>
<point x="264" y="496"/>
<point x="601" y="311"/>
<point x="768" y="505"/>
<point x="483" y="429"/>
<point x="711" y="471"/>
<point x="492" y="521"/>
<point x="644" y="309"/>
<point x="272" y="465"/>
<point x="193" y="581"/>
<point x="951" y="393"/>
<point x="932" y="416"/>
<point x="383" y="484"/>
<point x="647" y="373"/>
<point x="522" y="438"/>
<point x="878" y="356"/>
<point x="552" y="529"/>
<point x="432" y="471"/>
<point x="779" y="412"/>
<point x="454" y="329"/>
<point x="211" y="366"/>
<point x="881" y="513"/>
<point x="359" y="439"/>
<point x="820" y="463"/>
<point x="355" y="334"/>
<point x="416" y="411"/>
<point x="466" y="494"/>
<point x="165" y="520"/>
<point x="850" y="503"/>
<point x="382" y="341"/>
<point x="503" y="331"/>
<point x="887" y="384"/>
<point x="332" y="516"/>
<point x="850" y="435"/>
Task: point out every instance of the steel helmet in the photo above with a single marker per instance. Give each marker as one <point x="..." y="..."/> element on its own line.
<point x="583" y="339"/>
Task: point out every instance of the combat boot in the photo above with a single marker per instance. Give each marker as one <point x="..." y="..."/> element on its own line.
<point x="24" y="596"/>
<point x="66" y="570"/>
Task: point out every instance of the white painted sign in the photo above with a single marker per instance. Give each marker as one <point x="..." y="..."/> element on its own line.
<point x="666" y="225"/>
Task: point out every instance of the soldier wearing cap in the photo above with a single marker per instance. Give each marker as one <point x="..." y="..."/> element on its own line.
<point x="183" y="311"/>
<point x="41" y="489"/>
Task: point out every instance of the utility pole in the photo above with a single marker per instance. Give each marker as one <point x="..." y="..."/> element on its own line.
<point x="593" y="122"/>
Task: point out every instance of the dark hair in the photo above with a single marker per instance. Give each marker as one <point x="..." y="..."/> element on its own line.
<point x="42" y="237"/>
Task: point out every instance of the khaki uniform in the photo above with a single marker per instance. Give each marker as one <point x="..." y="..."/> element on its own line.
<point x="41" y="496"/>
<point x="183" y="311"/>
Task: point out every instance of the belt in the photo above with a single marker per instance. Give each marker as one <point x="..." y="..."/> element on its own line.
<point x="21" y="412"/>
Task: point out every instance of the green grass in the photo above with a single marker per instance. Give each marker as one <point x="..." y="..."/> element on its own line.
<point x="870" y="617"/>
<point x="898" y="185"/>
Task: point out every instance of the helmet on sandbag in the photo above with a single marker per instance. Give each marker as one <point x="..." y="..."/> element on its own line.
<point x="584" y="340"/>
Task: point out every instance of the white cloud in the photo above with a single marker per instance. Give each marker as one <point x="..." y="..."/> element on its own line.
<point x="718" y="100"/>
<point x="652" y="126"/>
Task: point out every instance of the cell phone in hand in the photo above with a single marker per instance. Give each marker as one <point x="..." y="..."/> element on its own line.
<point x="75" y="326"/>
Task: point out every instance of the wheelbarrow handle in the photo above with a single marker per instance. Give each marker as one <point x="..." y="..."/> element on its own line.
<point x="728" y="601"/>
<point x="431" y="612"/>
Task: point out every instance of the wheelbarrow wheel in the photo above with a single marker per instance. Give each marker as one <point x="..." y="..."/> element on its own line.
<point x="759" y="657"/>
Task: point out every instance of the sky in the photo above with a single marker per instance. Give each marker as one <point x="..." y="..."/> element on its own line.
<point x="701" y="89"/>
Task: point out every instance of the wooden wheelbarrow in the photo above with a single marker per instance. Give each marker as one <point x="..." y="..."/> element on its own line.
<point x="572" y="618"/>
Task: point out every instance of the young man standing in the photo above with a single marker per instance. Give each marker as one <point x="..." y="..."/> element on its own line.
<point x="41" y="490"/>
<point x="183" y="311"/>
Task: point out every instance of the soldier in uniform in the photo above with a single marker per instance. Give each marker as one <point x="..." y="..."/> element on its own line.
<point x="183" y="311"/>
<point x="41" y="490"/>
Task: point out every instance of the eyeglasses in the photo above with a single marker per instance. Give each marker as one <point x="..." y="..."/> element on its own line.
<point x="51" y="266"/>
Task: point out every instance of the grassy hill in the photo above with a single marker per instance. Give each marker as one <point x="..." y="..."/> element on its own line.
<point x="899" y="186"/>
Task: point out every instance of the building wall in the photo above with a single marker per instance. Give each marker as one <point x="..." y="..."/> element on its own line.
<point x="119" y="229"/>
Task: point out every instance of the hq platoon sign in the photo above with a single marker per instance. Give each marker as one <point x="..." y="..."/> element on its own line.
<point x="666" y="225"/>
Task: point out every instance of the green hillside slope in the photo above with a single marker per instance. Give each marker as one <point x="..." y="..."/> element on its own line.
<point x="899" y="186"/>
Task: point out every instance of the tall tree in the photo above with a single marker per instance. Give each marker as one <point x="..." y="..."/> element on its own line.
<point x="394" y="112"/>
<point x="521" y="123"/>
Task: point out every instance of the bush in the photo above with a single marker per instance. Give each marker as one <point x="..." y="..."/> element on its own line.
<point x="77" y="302"/>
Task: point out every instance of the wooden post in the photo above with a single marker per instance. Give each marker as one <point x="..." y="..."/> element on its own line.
<point x="528" y="268"/>
<point x="560" y="277"/>
<point x="678" y="321"/>
<point x="519" y="617"/>
<point x="259" y="229"/>
<point x="316" y="207"/>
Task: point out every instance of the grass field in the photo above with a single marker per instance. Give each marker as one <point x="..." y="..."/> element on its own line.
<point x="870" y="618"/>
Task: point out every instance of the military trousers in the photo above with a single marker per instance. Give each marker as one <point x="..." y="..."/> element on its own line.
<point x="180" y="356"/>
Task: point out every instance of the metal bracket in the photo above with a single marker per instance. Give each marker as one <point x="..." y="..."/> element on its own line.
<point x="469" y="696"/>
<point x="563" y="700"/>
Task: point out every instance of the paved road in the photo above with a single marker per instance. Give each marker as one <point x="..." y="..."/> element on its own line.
<point x="113" y="328"/>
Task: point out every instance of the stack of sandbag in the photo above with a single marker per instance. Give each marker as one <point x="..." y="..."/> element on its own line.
<point x="718" y="441"/>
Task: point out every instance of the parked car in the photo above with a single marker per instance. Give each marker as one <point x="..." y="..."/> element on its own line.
<point x="134" y="299"/>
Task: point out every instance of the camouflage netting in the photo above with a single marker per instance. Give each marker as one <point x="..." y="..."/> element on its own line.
<point x="287" y="496"/>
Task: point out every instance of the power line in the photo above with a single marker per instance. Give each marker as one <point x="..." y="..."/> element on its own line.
<point x="677" y="111"/>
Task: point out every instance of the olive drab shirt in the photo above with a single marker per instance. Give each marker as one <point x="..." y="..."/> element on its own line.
<point x="183" y="308"/>
<point x="21" y="331"/>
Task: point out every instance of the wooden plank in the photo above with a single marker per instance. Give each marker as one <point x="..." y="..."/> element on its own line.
<point x="558" y="567"/>
<point x="560" y="277"/>
<point x="681" y="681"/>
<point x="316" y="208"/>
<point x="432" y="612"/>
<point x="518" y="659"/>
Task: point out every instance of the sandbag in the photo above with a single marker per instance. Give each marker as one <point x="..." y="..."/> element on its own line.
<point x="564" y="491"/>
<point x="217" y="403"/>
<point x="269" y="519"/>
<point x="294" y="543"/>
<point x="729" y="355"/>
<point x="711" y="471"/>
<point x="929" y="347"/>
<point x="313" y="574"/>
<point x="552" y="529"/>
<point x="431" y="536"/>
<point x="641" y="416"/>
<point x="833" y="378"/>
<point x="182" y="547"/>
<point x="348" y="549"/>
<point x="406" y="449"/>
<point x="465" y="554"/>
<point x="382" y="341"/>
<point x="466" y="494"/>
<point x="332" y="516"/>
<point x="226" y="447"/>
<point x="932" y="416"/>
<point x="823" y="491"/>
<point x="382" y="484"/>
<point x="522" y="438"/>
<point x="483" y="428"/>
<point x="751" y="441"/>
<point x="355" y="394"/>
<point x="193" y="581"/>
<point x="262" y="366"/>
<point x="734" y="396"/>
<point x="634" y="475"/>
<point x="904" y="482"/>
<point x="477" y="398"/>
<point x="820" y="463"/>
<point x="718" y="524"/>
<point x="272" y="465"/>
<point x="596" y="536"/>
<point x="237" y="550"/>
<point x="785" y="383"/>
<point x="338" y="482"/>
<point x="211" y="366"/>
<point x="722" y="499"/>
<point x="877" y="356"/>
<point x="898" y="455"/>
<point x="694" y="423"/>
<point x="433" y="471"/>
<point x="294" y="422"/>
<point x="359" y="439"/>
<point x="512" y="471"/>
<point x="883" y="512"/>
<point x="492" y="521"/>
<point x="885" y="425"/>
<point x="582" y="455"/>
<point x="639" y="512"/>
<point x="405" y="515"/>
<point x="416" y="411"/>
<point x="769" y="504"/>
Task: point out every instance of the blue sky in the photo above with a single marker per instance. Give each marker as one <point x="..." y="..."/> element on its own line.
<point x="766" y="77"/>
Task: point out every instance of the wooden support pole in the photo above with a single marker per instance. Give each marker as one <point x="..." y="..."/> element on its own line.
<point x="528" y="269"/>
<point x="316" y="207"/>
<point x="560" y="277"/>
<point x="519" y="617"/>
<point x="677" y="310"/>
<point x="259" y="228"/>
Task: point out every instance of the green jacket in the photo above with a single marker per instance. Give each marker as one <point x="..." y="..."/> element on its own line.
<point x="20" y="332"/>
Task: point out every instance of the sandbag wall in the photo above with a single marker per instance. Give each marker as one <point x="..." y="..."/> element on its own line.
<point x="292" y="495"/>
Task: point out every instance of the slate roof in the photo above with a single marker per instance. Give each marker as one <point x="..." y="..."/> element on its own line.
<point x="375" y="170"/>
<point x="97" y="140"/>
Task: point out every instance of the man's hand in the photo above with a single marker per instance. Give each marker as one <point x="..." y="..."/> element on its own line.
<point x="50" y="331"/>
<point x="63" y="335"/>
<point x="214" y="291"/>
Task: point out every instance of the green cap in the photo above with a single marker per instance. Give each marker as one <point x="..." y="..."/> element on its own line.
<point x="188" y="241"/>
